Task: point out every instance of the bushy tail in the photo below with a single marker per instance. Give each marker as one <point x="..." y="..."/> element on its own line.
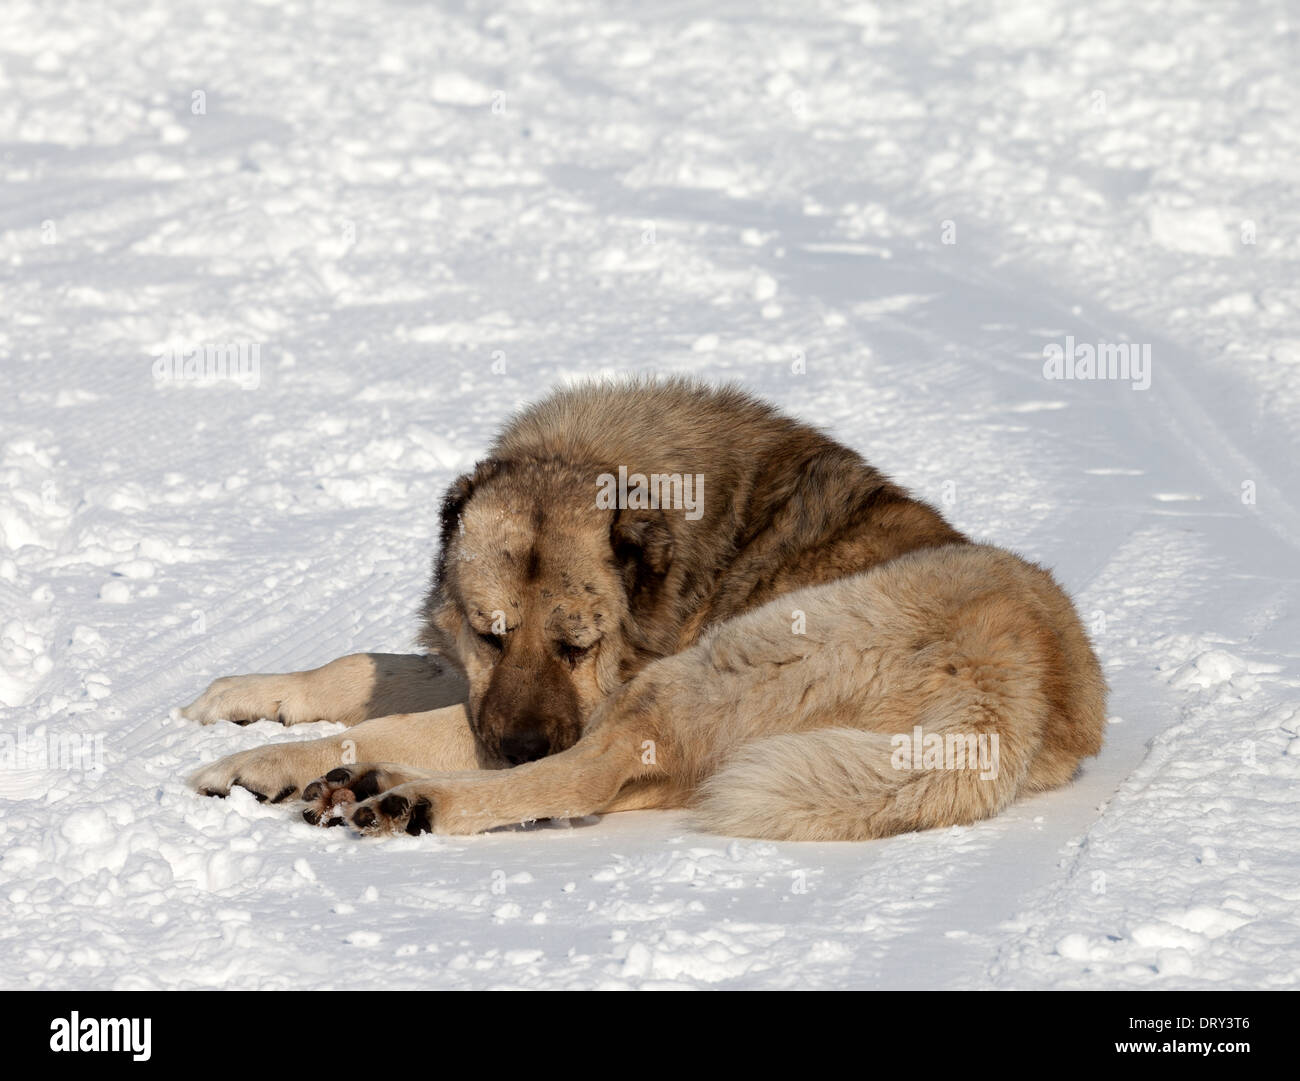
<point x="845" y="784"/>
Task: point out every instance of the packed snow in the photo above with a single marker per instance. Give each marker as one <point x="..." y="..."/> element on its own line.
<point x="386" y="225"/>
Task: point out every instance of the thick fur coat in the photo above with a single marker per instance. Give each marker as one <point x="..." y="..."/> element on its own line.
<point x="661" y="594"/>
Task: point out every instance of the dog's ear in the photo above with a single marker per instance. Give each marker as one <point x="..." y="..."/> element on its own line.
<point x="643" y="547"/>
<point x="453" y="503"/>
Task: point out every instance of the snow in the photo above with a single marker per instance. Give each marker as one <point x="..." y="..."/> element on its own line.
<point x="414" y="218"/>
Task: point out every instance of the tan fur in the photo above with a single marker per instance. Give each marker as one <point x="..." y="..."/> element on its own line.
<point x="759" y="663"/>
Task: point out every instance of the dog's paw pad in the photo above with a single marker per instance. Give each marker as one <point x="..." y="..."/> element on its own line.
<point x="345" y="785"/>
<point x="421" y="818"/>
<point x="394" y="806"/>
<point x="393" y="813"/>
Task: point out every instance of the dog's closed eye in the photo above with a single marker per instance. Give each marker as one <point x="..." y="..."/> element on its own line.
<point x="494" y="641"/>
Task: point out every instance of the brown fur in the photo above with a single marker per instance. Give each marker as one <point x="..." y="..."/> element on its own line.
<point x="758" y="660"/>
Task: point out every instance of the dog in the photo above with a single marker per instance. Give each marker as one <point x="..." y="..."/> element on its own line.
<point x="663" y="594"/>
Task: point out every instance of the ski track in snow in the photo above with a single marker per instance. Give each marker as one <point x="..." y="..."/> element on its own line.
<point x="426" y="217"/>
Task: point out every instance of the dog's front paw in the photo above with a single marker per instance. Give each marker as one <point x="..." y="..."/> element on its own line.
<point x="407" y="808"/>
<point x="273" y="774"/>
<point x="328" y="798"/>
<point x="244" y="699"/>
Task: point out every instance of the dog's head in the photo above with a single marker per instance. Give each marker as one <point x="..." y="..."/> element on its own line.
<point x="539" y="595"/>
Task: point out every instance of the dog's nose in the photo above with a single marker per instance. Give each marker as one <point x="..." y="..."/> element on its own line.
<point x="524" y="747"/>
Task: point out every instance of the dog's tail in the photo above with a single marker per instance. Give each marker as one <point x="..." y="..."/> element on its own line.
<point x="845" y="784"/>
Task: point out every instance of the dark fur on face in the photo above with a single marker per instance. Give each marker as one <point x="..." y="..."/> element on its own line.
<point x="548" y="602"/>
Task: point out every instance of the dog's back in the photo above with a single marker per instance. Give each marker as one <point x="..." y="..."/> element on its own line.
<point x="785" y="505"/>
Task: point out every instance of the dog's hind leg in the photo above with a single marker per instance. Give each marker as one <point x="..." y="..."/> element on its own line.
<point x="349" y="690"/>
<point x="931" y="692"/>
<point x="844" y="784"/>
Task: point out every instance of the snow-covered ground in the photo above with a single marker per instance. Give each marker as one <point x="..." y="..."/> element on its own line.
<point x="414" y="217"/>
